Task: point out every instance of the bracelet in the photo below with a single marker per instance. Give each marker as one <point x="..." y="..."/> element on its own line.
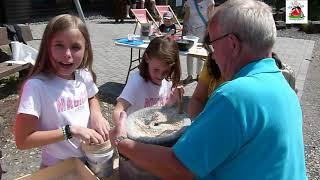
<point x="64" y="132"/>
<point x="68" y="131"/>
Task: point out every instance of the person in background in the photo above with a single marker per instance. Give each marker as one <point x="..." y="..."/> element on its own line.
<point x="119" y="10"/>
<point x="150" y="5"/>
<point x="286" y="70"/>
<point x="196" y="14"/>
<point x="251" y="126"/>
<point x="210" y="78"/>
<point x="168" y="27"/>
<point x="131" y="4"/>
<point x="58" y="108"/>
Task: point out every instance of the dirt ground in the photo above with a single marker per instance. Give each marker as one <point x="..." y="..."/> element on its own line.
<point x="16" y="163"/>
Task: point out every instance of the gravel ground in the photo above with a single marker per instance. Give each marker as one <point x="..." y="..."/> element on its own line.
<point x="17" y="163"/>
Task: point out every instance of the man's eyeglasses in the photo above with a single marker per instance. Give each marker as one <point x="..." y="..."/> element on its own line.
<point x="211" y="50"/>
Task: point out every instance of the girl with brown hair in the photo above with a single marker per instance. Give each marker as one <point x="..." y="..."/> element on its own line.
<point x="157" y="80"/>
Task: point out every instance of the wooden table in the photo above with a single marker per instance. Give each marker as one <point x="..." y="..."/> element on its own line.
<point x="7" y="69"/>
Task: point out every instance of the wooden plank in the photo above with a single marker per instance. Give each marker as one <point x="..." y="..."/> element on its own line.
<point x="68" y="169"/>
<point x="8" y="69"/>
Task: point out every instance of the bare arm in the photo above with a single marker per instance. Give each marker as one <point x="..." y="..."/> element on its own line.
<point x="198" y="99"/>
<point x="28" y="136"/>
<point x="122" y="105"/>
<point x="97" y="121"/>
<point x="158" y="160"/>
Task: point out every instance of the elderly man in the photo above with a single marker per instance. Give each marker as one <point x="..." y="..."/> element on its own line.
<point x="251" y="127"/>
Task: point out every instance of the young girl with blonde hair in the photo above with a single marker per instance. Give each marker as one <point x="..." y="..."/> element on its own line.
<point x="57" y="102"/>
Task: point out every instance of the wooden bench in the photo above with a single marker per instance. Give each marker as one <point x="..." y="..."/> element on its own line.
<point x="6" y="69"/>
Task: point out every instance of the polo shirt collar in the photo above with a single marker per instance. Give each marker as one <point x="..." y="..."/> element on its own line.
<point x="267" y="65"/>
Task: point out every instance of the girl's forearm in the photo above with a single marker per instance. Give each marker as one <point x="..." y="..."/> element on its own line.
<point x="41" y="138"/>
<point x="116" y="115"/>
<point x="95" y="109"/>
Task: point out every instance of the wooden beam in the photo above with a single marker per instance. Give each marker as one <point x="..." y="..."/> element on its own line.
<point x="7" y="69"/>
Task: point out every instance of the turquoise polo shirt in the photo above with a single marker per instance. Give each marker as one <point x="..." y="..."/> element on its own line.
<point x="250" y="128"/>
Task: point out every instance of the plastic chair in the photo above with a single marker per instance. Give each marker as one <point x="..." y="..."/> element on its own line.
<point x="143" y="16"/>
<point x="161" y="9"/>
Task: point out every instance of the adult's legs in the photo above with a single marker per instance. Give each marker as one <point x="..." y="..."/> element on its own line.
<point x="120" y="6"/>
<point x="128" y="8"/>
<point x="190" y="61"/>
<point x="142" y="4"/>
<point x="153" y="7"/>
<point x="130" y="4"/>
<point x="199" y="66"/>
<point x="189" y="70"/>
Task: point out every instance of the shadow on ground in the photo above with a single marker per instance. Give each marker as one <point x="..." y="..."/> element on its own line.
<point x="109" y="92"/>
<point x="9" y="87"/>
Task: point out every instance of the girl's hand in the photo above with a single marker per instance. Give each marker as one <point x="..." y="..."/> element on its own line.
<point x="178" y="93"/>
<point x="89" y="136"/>
<point x="119" y="129"/>
<point x="175" y="96"/>
<point x="101" y="125"/>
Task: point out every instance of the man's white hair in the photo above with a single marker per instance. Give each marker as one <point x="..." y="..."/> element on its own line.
<point x="250" y="20"/>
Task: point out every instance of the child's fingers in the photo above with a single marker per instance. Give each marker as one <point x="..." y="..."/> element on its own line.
<point x="96" y="138"/>
<point x="180" y="90"/>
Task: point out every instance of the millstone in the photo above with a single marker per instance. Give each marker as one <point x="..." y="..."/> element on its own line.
<point x="157" y="125"/>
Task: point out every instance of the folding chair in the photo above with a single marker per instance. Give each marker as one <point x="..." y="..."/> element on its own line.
<point x="161" y="9"/>
<point x="143" y="16"/>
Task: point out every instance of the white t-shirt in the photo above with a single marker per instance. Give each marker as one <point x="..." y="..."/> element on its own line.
<point x="196" y="26"/>
<point x="140" y="93"/>
<point x="58" y="102"/>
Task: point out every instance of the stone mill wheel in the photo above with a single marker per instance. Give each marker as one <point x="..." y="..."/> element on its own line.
<point x="157" y="125"/>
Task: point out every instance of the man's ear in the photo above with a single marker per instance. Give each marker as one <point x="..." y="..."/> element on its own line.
<point x="236" y="45"/>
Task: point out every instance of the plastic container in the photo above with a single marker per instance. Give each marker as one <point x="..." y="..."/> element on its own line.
<point x="23" y="52"/>
<point x="99" y="158"/>
<point x="133" y="37"/>
<point x="184" y="44"/>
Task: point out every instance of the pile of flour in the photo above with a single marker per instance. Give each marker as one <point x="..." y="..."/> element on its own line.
<point x="156" y="123"/>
